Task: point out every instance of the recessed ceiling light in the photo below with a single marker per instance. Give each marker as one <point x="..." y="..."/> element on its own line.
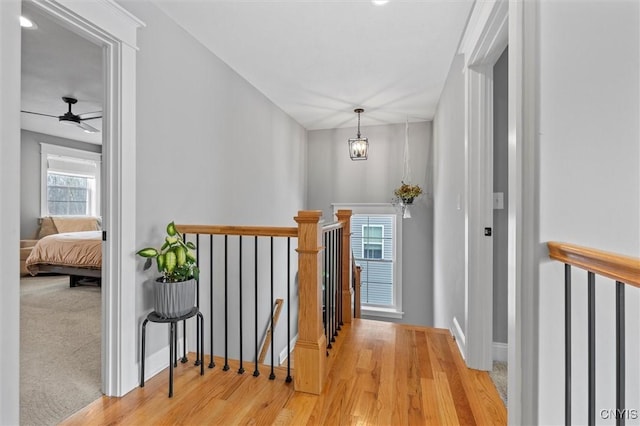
<point x="27" y="23"/>
<point x="379" y="2"/>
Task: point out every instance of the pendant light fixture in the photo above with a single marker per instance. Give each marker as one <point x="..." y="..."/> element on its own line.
<point x="359" y="146"/>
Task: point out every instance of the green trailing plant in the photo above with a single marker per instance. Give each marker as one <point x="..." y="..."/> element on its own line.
<point x="407" y="192"/>
<point x="175" y="259"/>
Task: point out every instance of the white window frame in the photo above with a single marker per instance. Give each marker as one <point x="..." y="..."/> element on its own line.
<point x="369" y="242"/>
<point x="373" y="209"/>
<point x="47" y="150"/>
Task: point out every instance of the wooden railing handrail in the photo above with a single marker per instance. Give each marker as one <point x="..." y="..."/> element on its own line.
<point x="332" y="226"/>
<point x="625" y="269"/>
<point x="259" y="231"/>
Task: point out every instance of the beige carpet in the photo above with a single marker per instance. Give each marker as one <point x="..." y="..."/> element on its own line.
<point x="59" y="349"/>
<point x="499" y="375"/>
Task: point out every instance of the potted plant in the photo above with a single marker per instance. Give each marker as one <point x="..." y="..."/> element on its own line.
<point x="407" y="193"/>
<point x="175" y="290"/>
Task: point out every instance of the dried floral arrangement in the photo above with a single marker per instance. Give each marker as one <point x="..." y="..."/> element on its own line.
<point x="407" y="193"/>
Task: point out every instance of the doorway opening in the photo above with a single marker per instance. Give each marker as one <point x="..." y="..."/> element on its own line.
<point x="114" y="29"/>
<point x="62" y="72"/>
<point x="483" y="45"/>
<point x="499" y="372"/>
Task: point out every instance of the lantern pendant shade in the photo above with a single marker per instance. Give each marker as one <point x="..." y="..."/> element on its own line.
<point x="358" y="146"/>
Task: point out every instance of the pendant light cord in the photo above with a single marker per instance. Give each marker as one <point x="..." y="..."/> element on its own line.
<point x="406" y="173"/>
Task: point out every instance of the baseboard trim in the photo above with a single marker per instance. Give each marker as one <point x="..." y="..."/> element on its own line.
<point x="157" y="361"/>
<point x="500" y="351"/>
<point x="284" y="354"/>
<point x="459" y="337"/>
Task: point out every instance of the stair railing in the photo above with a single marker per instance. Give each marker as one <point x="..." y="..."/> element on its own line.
<point x="336" y="276"/>
<point x="323" y="260"/>
<point x="237" y="265"/>
<point x="624" y="270"/>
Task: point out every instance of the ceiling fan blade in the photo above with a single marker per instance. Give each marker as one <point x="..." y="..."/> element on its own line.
<point x="39" y="113"/>
<point x="90" y="115"/>
<point x="87" y="128"/>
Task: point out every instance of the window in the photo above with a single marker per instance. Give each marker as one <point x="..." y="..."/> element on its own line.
<point x="372" y="236"/>
<point x="68" y="194"/>
<point x="376" y="231"/>
<point x="70" y="182"/>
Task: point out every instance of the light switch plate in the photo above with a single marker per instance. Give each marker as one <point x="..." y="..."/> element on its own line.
<point x="498" y="200"/>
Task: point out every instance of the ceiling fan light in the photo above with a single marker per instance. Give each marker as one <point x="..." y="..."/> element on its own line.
<point x="87" y="128"/>
<point x="71" y="119"/>
<point x="27" y="23"/>
<point x="67" y="121"/>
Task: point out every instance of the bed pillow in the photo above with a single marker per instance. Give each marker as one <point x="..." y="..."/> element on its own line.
<point x="47" y="227"/>
<point x="75" y="224"/>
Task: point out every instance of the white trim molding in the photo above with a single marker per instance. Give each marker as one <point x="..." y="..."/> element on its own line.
<point x="485" y="38"/>
<point x="112" y="27"/>
<point x="283" y="353"/>
<point x="109" y="16"/>
<point x="49" y="150"/>
<point x="373" y="209"/>
<point x="460" y="338"/>
<point x="500" y="351"/>
<point x="158" y="361"/>
<point x="10" y="211"/>
<point x="487" y="33"/>
<point x="373" y="312"/>
<point x="522" y="213"/>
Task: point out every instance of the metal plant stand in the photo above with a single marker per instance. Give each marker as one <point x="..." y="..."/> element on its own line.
<point x="173" y="342"/>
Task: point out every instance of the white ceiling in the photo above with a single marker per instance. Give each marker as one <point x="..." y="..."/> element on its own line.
<point x="318" y="60"/>
<point x="55" y="63"/>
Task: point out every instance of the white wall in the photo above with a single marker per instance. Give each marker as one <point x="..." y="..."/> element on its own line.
<point x="589" y="182"/>
<point x="30" y="175"/>
<point x="9" y="212"/>
<point x="211" y="149"/>
<point x="448" y="201"/>
<point x="334" y="178"/>
<point x="586" y="191"/>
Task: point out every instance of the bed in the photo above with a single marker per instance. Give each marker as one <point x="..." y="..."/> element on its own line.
<point x="73" y="246"/>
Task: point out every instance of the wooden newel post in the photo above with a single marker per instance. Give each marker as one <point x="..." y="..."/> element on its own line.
<point x="344" y="216"/>
<point x="310" y="356"/>
<point x="357" y="307"/>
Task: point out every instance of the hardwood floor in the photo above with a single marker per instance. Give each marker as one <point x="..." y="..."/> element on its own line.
<point x="379" y="374"/>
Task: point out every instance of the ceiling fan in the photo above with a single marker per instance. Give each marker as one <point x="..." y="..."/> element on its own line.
<point x="74" y="119"/>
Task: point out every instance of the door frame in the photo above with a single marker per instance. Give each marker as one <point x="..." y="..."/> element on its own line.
<point x="484" y="41"/>
<point x="114" y="28"/>
<point x="524" y="246"/>
<point x="10" y="211"/>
